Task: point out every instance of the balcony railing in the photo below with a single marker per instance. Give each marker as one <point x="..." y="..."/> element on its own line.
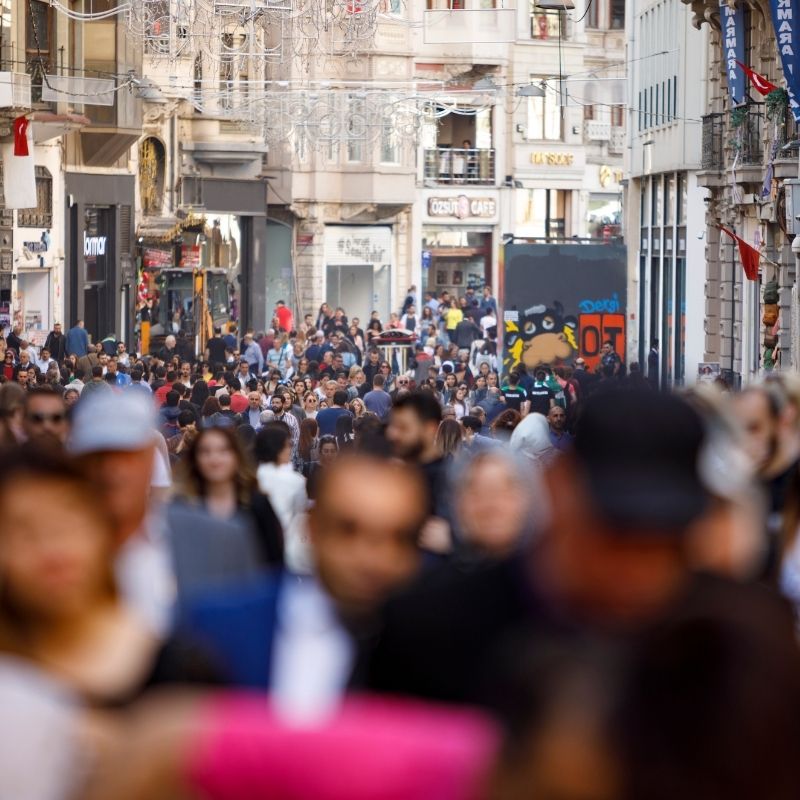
<point x="450" y="165"/>
<point x="15" y="90"/>
<point x="713" y="153"/>
<point x="747" y="137"/>
<point x="596" y="131"/>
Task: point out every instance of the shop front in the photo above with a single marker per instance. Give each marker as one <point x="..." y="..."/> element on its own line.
<point x="100" y="286"/>
<point x="231" y="236"/>
<point x="458" y="239"/>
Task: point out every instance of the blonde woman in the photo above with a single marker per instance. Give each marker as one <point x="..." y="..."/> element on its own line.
<point x="358" y="408"/>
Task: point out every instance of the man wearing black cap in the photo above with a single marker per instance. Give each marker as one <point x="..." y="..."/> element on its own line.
<point x="611" y="555"/>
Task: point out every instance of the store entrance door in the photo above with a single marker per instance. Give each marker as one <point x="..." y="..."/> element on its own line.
<point x="352" y="288"/>
<point x="94" y="305"/>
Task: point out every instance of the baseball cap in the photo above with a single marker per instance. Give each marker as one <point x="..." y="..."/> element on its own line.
<point x="641" y="452"/>
<point x="106" y="421"/>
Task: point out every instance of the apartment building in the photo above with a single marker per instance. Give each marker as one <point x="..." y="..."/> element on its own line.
<point x="665" y="208"/>
<point x="749" y="162"/>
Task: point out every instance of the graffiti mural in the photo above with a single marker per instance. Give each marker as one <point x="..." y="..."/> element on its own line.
<point x="563" y="301"/>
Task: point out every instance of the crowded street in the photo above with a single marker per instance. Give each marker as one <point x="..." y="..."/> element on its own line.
<point x="305" y="564"/>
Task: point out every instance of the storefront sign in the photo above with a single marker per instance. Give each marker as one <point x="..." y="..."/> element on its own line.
<point x="94" y="245"/>
<point x="553" y="159"/>
<point x="362" y="248"/>
<point x="190" y="256"/>
<point x="154" y="257"/>
<point x="609" y="175"/>
<point x="462" y="207"/>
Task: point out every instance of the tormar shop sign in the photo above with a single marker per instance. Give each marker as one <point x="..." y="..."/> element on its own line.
<point x="553" y="159"/>
<point x="462" y="207"/>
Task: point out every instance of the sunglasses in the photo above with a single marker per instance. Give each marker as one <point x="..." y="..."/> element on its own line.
<point x="311" y="399"/>
<point x="403" y="382"/>
<point x="42" y="418"/>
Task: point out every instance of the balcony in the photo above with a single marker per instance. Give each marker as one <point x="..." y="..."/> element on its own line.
<point x="15" y="90"/>
<point x="713" y="156"/>
<point x="617" y="141"/>
<point x="465" y="167"/>
<point x="747" y="136"/>
<point x="595" y="131"/>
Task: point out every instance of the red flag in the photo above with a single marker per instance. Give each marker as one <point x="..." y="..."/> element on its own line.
<point x="749" y="255"/>
<point x="21" y="136"/>
<point x="760" y="83"/>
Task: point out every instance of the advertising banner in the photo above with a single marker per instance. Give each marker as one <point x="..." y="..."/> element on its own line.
<point x="785" y="19"/>
<point x="733" y="48"/>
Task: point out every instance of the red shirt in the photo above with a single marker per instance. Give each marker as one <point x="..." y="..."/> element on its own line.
<point x="239" y="403"/>
<point x="285" y="319"/>
<point x="161" y="394"/>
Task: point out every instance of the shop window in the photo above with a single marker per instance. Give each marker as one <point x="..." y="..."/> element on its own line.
<point x="42" y="215"/>
<point x="544" y="115"/>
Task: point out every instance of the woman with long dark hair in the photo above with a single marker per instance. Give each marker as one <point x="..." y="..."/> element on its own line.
<point x="200" y="393"/>
<point x="218" y="476"/>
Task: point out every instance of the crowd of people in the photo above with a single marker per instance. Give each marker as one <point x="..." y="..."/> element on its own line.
<point x="303" y="565"/>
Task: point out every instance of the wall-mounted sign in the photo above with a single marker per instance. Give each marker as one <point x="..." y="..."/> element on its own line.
<point x="156" y="257"/>
<point x="553" y="159"/>
<point x="462" y="207"/>
<point x="190" y="256"/>
<point x="609" y="175"/>
<point x="94" y="245"/>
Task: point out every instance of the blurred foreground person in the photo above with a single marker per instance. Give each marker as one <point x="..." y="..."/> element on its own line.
<point x="298" y="637"/>
<point x="612" y="555"/>
<point x="237" y="748"/>
<point x="115" y="441"/>
<point x="59" y="607"/>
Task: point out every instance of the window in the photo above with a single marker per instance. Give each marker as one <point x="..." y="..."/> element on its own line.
<point x="593" y="14"/>
<point x="588" y="111"/>
<point x="682" y="198"/>
<point x="100" y="60"/>
<point x="669" y="199"/>
<point x="545" y="24"/>
<point x="389" y="146"/>
<point x="42" y="215"/>
<point x="618" y="116"/>
<point x="544" y="115"/>
<point x="38" y="44"/>
<point x="542" y="212"/>
<point x="617" y="14"/>
<point x="391" y="7"/>
<point x="445" y="5"/>
<point x="356" y="129"/>
<point x="157" y="27"/>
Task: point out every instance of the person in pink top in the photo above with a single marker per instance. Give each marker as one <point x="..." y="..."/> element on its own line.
<point x="234" y="747"/>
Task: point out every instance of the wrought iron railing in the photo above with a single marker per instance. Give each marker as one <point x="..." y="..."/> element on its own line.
<point x="713" y="157"/>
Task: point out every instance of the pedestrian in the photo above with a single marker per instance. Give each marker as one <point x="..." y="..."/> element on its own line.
<point x="217" y="504"/>
<point x="326" y="419"/>
<point x="378" y="401"/>
<point x="56" y="343"/>
<point x="559" y="437"/>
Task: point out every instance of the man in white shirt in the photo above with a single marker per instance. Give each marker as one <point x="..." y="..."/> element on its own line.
<point x="364" y="546"/>
<point x="488" y="320"/>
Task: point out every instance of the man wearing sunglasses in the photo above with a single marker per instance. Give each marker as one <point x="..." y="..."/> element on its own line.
<point x="45" y="415"/>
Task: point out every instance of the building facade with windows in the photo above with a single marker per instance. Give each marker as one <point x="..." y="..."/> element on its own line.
<point x="749" y="166"/>
<point x="664" y="196"/>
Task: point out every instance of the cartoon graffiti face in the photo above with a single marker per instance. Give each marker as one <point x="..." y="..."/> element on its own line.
<point x="544" y="335"/>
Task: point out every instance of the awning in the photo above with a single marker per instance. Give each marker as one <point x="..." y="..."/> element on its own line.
<point x="47" y="125"/>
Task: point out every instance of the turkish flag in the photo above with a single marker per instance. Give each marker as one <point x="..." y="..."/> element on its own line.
<point x="21" y="136"/>
<point x="749" y="255"/>
<point x="760" y="83"/>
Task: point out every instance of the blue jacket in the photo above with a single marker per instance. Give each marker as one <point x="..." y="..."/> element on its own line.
<point x="239" y="625"/>
<point x="77" y="343"/>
